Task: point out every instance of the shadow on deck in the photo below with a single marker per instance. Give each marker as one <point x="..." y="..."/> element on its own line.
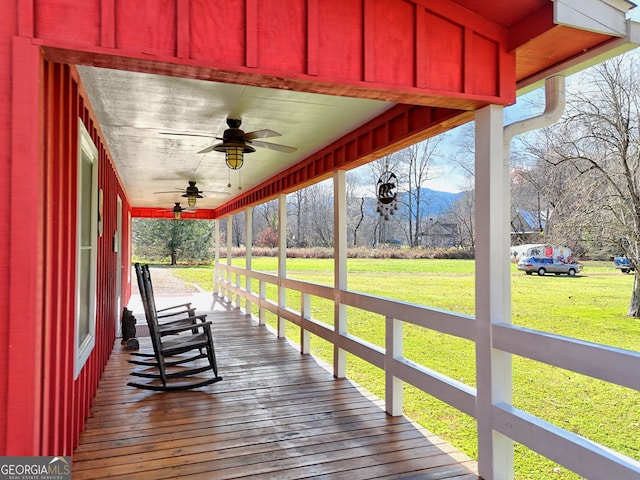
<point x="276" y="414"/>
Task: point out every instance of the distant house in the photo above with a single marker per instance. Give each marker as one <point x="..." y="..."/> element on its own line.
<point x="440" y="234"/>
<point x="526" y="226"/>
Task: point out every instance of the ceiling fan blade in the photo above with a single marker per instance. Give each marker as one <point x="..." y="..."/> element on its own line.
<point x="208" y="149"/>
<point x="215" y="192"/>
<point x="274" y="146"/>
<point x="177" y="190"/>
<point x="183" y="134"/>
<point x="261" y="134"/>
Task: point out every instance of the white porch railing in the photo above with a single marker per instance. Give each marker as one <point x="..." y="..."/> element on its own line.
<point x="576" y="453"/>
<point x="496" y="340"/>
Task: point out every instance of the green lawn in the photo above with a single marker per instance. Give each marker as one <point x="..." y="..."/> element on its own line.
<point x="590" y="306"/>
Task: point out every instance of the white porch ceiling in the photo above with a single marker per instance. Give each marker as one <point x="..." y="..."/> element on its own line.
<point x="133" y="108"/>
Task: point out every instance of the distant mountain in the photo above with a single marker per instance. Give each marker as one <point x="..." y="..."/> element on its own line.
<point x="434" y="203"/>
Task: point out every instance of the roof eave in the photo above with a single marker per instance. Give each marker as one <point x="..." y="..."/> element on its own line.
<point x="586" y="59"/>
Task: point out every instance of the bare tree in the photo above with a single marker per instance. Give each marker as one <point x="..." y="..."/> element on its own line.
<point x="531" y="205"/>
<point x="266" y="215"/>
<point x="355" y="206"/>
<point x="360" y="218"/>
<point x="419" y="162"/>
<point x="462" y="211"/>
<point x="320" y="215"/>
<point x="238" y="228"/>
<point x="464" y="153"/>
<point x="596" y="146"/>
<point x="297" y="206"/>
<point x="462" y="214"/>
<point x="265" y="224"/>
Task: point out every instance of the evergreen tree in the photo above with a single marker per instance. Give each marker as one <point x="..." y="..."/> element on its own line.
<point x="190" y="241"/>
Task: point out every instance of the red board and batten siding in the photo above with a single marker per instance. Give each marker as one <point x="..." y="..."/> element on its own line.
<point x="45" y="408"/>
<point x="440" y="55"/>
<point x="7" y="25"/>
<point x="23" y="278"/>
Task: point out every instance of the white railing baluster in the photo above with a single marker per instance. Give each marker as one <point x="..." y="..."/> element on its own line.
<point x="305" y="314"/>
<point x="263" y="296"/>
<point x="394" y="340"/>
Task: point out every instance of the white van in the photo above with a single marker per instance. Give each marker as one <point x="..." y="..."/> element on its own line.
<point x="543" y="250"/>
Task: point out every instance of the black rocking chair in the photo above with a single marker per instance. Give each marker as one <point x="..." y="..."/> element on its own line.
<point x="145" y="286"/>
<point x="182" y="348"/>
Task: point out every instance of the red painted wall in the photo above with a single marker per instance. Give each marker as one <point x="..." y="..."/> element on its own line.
<point x="422" y="53"/>
<point x="42" y="406"/>
<point x="8" y="19"/>
<point x="66" y="402"/>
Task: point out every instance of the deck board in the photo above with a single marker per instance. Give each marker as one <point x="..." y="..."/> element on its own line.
<point x="276" y="414"/>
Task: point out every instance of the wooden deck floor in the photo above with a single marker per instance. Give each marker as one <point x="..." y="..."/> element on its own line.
<point x="276" y="414"/>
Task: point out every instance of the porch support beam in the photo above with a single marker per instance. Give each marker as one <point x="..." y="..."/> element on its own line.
<point x="493" y="290"/>
<point x="23" y="317"/>
<point x="248" y="235"/>
<point x="282" y="260"/>
<point x="216" y="259"/>
<point x="229" y="256"/>
<point x="340" y="271"/>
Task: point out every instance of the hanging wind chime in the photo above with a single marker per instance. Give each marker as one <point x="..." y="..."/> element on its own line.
<point x="387" y="193"/>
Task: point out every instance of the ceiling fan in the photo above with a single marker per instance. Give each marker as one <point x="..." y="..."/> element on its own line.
<point x="236" y="142"/>
<point x="192" y="193"/>
<point x="178" y="210"/>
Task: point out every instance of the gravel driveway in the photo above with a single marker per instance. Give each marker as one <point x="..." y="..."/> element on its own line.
<point x="165" y="283"/>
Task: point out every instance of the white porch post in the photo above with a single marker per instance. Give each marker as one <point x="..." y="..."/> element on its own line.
<point x="216" y="259"/>
<point x="230" y="257"/>
<point x="248" y="235"/>
<point x="340" y="271"/>
<point x="282" y="259"/>
<point x="493" y="290"/>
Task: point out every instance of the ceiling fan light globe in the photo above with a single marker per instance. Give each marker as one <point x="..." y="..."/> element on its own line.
<point x="191" y="201"/>
<point x="234" y="157"/>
